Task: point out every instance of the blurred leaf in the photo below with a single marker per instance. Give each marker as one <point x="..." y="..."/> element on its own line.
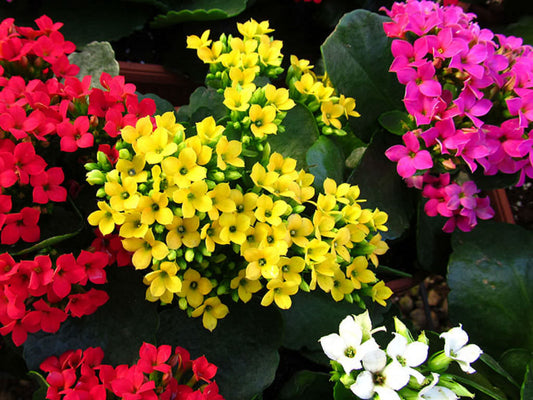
<point x="342" y="393"/>
<point x="203" y="102"/>
<point x="120" y="326"/>
<point x="325" y="160"/>
<point x="522" y="28"/>
<point x="95" y="58"/>
<point x="300" y="134"/>
<point x="162" y="105"/>
<point x="500" y="180"/>
<point x="395" y="121"/>
<point x="382" y="187"/>
<point x="306" y="385"/>
<point x="515" y="361"/>
<point x="496" y="367"/>
<point x="244" y="345"/>
<point x="490" y="275"/>
<point x="482" y="385"/>
<point x="40" y="393"/>
<point x="357" y="57"/>
<point x="197" y="10"/>
<point x="526" y="391"/>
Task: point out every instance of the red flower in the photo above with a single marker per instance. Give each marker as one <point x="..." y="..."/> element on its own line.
<point x="47" y="186"/>
<point x="67" y="273"/>
<point x="203" y="370"/>
<point x="94" y="264"/>
<point x="40" y="274"/>
<point x="86" y="303"/>
<point x="154" y="358"/>
<point x="27" y="162"/>
<point x="21" y="225"/>
<point x="20" y="328"/>
<point x="50" y="317"/>
<point x="74" y="136"/>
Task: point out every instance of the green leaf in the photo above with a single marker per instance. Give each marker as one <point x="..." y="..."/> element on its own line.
<point x="357" y="58"/>
<point x="382" y="187"/>
<point x="120" y="326"/>
<point x="203" y="102"/>
<point x="395" y="121"/>
<point x="325" y="160"/>
<point x="526" y="392"/>
<point x="515" y="361"/>
<point x="306" y="385"/>
<point x="40" y="393"/>
<point x="162" y="105"/>
<point x="482" y="386"/>
<point x="300" y="134"/>
<point x="95" y="58"/>
<point x="197" y="10"/>
<point x="495" y="366"/>
<point x="244" y="345"/>
<point x="490" y="182"/>
<point x="490" y="275"/>
<point x="522" y="28"/>
<point x="340" y="392"/>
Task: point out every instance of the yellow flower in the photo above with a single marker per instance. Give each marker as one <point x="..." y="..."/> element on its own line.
<point x="305" y="182"/>
<point x="231" y="59"/>
<point x="165" y="298"/>
<point x="291" y="268"/>
<point x="326" y="203"/>
<point x="245" y="287"/>
<point x="252" y="28"/>
<point x="316" y="251"/>
<point x="123" y="196"/>
<point x="210" y="55"/>
<point x="323" y="273"/>
<point x="220" y="197"/>
<point x="210" y="235"/>
<point x="203" y="153"/>
<point x="233" y="228"/>
<point x="242" y="77"/>
<point x="280" y="292"/>
<point x="348" y="103"/>
<point x="380" y="248"/>
<point x="307" y="84"/>
<point x="270" y="211"/>
<point x="380" y="293"/>
<point x="143" y="127"/>
<point x="194" y="198"/>
<point x="208" y="131"/>
<point x="105" y="218"/>
<point x="379" y="219"/>
<point x="282" y="165"/>
<point x="212" y="310"/>
<point x="237" y="99"/>
<point x="228" y="153"/>
<point x="133" y="169"/>
<point x="155" y="208"/>
<point x="270" y="51"/>
<point x="247" y="46"/>
<point x="302" y="65"/>
<point x="341" y="286"/>
<point x="338" y="191"/>
<point x="184" y="170"/>
<point x="163" y="279"/>
<point x="323" y="224"/>
<point x="324" y="93"/>
<point x="341" y="243"/>
<point x="145" y="249"/>
<point x="156" y="146"/>
<point x="262" y="120"/>
<point x="194" y="287"/>
<point x="331" y="113"/>
<point x="299" y="228"/>
<point x="244" y="203"/>
<point x="183" y="231"/>
<point x="194" y="42"/>
<point x="133" y="226"/>
<point x="274" y="236"/>
<point x="167" y="121"/>
<point x="279" y="98"/>
<point x="262" y="262"/>
<point x="358" y="272"/>
<point x="262" y="178"/>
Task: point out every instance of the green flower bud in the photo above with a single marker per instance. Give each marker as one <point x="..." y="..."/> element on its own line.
<point x="189" y="255"/>
<point x="298" y="208"/>
<point x="124" y="154"/>
<point x="217" y="176"/>
<point x="96" y="177"/>
<point x="171" y="255"/>
<point x="327" y="130"/>
<point x="304" y="286"/>
<point x="340" y="132"/>
<point x="198" y="257"/>
<point x="400" y="328"/>
<point x="222" y="289"/>
<point x="103" y="161"/>
<point x="100" y="193"/>
<point x="205" y="252"/>
<point x="348" y="297"/>
<point x="182" y="263"/>
<point x="142" y="188"/>
<point x="448" y="382"/>
<point x="439" y="362"/>
<point x="313" y="106"/>
<point x="90" y="166"/>
<point x="347" y="380"/>
<point x="159" y="229"/>
<point x="182" y="303"/>
<point x="235" y="296"/>
<point x="177" y="211"/>
<point x="232" y="175"/>
<point x="210" y="184"/>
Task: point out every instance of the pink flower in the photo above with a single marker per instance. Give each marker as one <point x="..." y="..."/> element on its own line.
<point x="409" y="157"/>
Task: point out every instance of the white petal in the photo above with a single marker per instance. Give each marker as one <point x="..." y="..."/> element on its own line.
<point x="416" y="374"/>
<point x="397" y="346"/>
<point x="350" y="331"/>
<point x="375" y="360"/>
<point x="387" y="393"/>
<point x="363" y="320"/>
<point x="364" y="385"/>
<point x="349" y="364"/>
<point x="333" y="346"/>
<point x="439" y="393"/>
<point x="396" y="376"/>
<point x="416" y="354"/>
<point x="469" y="353"/>
<point x="454" y="339"/>
<point x="466" y="367"/>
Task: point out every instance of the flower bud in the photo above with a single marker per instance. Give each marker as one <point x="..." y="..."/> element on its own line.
<point x="96" y="177"/>
<point x="103" y="161"/>
<point x="304" y="286"/>
<point x="189" y="255"/>
<point x="182" y="303"/>
<point x="171" y="256"/>
<point x="159" y="228"/>
<point x="222" y="289"/>
<point x="217" y="176"/>
<point x="100" y="193"/>
<point x="347" y="380"/>
<point x="439" y="362"/>
<point x="326" y="130"/>
<point x="90" y="166"/>
<point x="124" y="154"/>
<point x="232" y="175"/>
<point x="458" y="389"/>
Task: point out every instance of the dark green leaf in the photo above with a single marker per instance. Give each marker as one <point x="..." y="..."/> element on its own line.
<point x="120" y="326"/>
<point x="203" y="102"/>
<point x="382" y="187"/>
<point x="500" y="180"/>
<point x="306" y="385"/>
<point x="325" y="160"/>
<point x="483" y="387"/>
<point x="40" y="393"/>
<point x="300" y="133"/>
<point x="515" y="361"/>
<point x="493" y="364"/>
<point x="95" y="58"/>
<point x="395" y="121"/>
<point x="340" y="392"/>
<point x="244" y="345"/>
<point x="491" y="281"/>
<point x="162" y="105"/>
<point x="197" y="10"/>
<point x="526" y="391"/>
<point x="357" y="57"/>
<point x="522" y="28"/>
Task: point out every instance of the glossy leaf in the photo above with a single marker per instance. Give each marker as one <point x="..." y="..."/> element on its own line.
<point x="120" y="326"/>
<point x="340" y="392"/>
<point x="306" y="385"/>
<point x="203" y="102"/>
<point x="95" y="58"/>
<point x="395" y="121"/>
<point x="515" y="361"/>
<point x="244" y="345"/>
<point x="300" y="134"/>
<point x="40" y="393"/>
<point x="432" y="244"/>
<point x="325" y="160"/>
<point x="357" y="57"/>
<point x="490" y="275"/>
<point x="162" y="105"/>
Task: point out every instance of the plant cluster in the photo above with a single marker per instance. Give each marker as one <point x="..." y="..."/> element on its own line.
<point x="50" y="122"/>
<point x="468" y="95"/>
<point x="403" y="370"/>
<point x="210" y="210"/>
<point x="159" y="373"/>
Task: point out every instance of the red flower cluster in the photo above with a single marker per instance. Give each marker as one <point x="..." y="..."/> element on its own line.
<point x="42" y="106"/>
<point x="39" y="294"/>
<point x="112" y="245"/>
<point x="158" y="374"/>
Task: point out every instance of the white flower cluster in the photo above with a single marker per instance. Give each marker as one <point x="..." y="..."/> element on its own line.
<point x="402" y="370"/>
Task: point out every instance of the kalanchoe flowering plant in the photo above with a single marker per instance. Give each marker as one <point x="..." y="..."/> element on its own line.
<point x="209" y="210"/>
<point x="406" y="369"/>
<point x="50" y="122"/>
<point x="160" y="373"/>
<point x="468" y="95"/>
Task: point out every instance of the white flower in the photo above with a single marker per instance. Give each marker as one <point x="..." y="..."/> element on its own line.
<point x="434" y="392"/>
<point x="380" y="377"/>
<point x="348" y="347"/>
<point x="456" y="348"/>
<point x="408" y="355"/>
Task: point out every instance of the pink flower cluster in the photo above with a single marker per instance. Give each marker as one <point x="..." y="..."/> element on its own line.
<point x="470" y="93"/>
<point x="40" y="294"/>
<point x="42" y="104"/>
<point x="158" y="374"/>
